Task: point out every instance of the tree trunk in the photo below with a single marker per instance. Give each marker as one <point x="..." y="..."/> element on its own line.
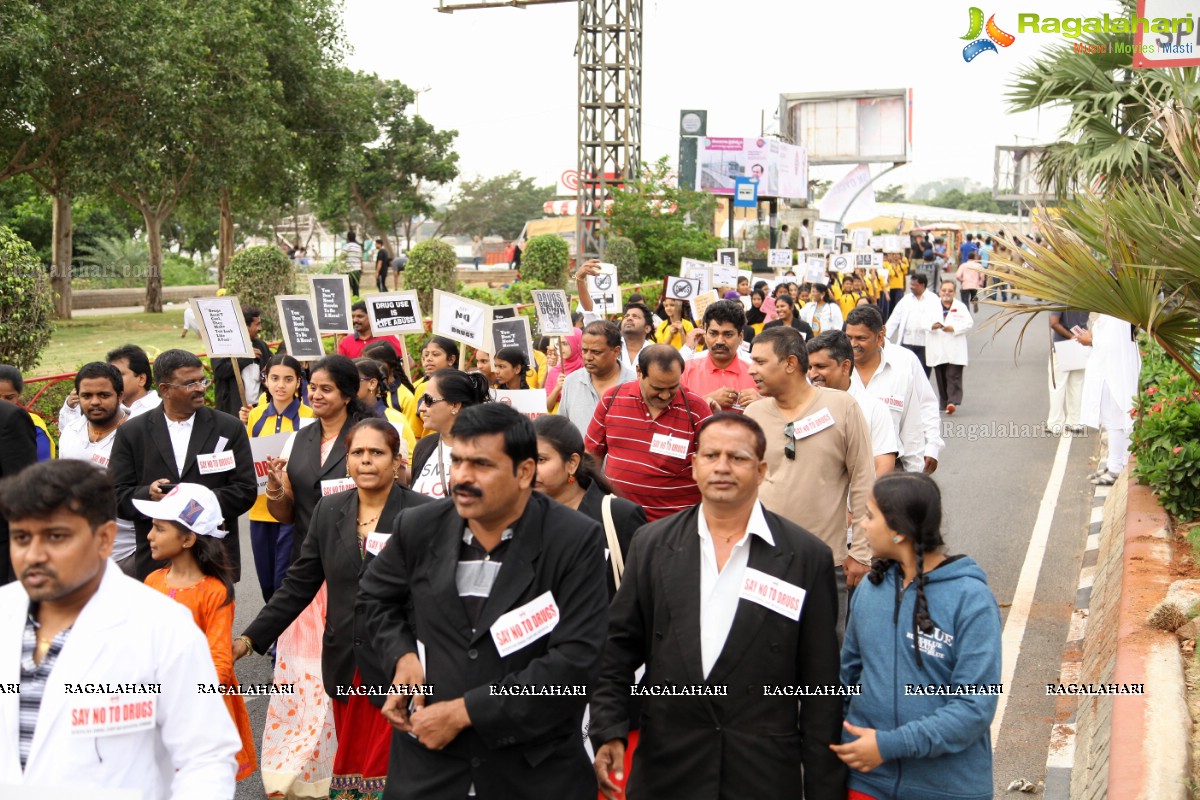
<point x="61" y="253"/>
<point x="224" y="236"/>
<point x="154" y="299"/>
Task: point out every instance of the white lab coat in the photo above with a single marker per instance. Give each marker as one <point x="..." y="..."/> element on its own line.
<point x="126" y="634"/>
<point x="949" y="348"/>
<point x="1114" y="364"/>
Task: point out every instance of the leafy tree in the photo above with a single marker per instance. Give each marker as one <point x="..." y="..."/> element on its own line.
<point x="1132" y="253"/>
<point x="665" y="223"/>
<point x="26" y="308"/>
<point x="1111" y="132"/>
<point x="970" y="201"/>
<point x="432" y="264"/>
<point x="545" y="258"/>
<point x="388" y="184"/>
<point x="622" y="253"/>
<point x="890" y="194"/>
<point x="256" y="275"/>
<point x="497" y="206"/>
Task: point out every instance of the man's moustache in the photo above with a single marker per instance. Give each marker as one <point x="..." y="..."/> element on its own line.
<point x="466" y="488"/>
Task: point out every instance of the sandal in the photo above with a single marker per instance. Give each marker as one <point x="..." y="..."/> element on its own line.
<point x="1107" y="479"/>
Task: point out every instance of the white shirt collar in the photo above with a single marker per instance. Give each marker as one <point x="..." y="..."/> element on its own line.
<point x="756" y="525"/>
<point x="187" y="423"/>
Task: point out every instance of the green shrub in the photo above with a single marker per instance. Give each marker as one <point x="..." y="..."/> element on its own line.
<point x="546" y="258"/>
<point x="521" y="292"/>
<point x="26" y="303"/>
<point x="256" y="275"/>
<point x="623" y="252"/>
<point x="431" y="265"/>
<point x="1166" y="434"/>
<point x="481" y="294"/>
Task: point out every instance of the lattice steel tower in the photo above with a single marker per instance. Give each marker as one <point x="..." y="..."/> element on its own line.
<point x="609" y="51"/>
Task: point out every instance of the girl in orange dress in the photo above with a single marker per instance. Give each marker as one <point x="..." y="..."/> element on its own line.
<point x="185" y="532"/>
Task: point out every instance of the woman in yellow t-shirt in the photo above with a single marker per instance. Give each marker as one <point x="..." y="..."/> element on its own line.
<point x="677" y="322"/>
<point x="279" y="410"/>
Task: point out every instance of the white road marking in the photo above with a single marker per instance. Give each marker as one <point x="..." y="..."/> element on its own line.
<point x="1097" y="515"/>
<point x="1018" y="612"/>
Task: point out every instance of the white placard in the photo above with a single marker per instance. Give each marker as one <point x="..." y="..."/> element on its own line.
<point x="823" y="229"/>
<point x="727" y="255"/>
<point x="842" y="263"/>
<point x="748" y="275"/>
<point x="861" y="238"/>
<point x="698" y="270"/>
<point x="814" y="270"/>
<point x="529" y="402"/>
<point x="893" y="244"/>
<point x="331" y="302"/>
<point x="779" y="257"/>
<point x="681" y="288"/>
<point x="877" y="261"/>
<point x="263" y="449"/>
<point x="725" y="275"/>
<point x="604" y="290"/>
<point x="554" y="315"/>
<point x="395" y="312"/>
<point x="460" y="319"/>
<point x="701" y="302"/>
<point x="222" y="327"/>
<point x="876" y="242"/>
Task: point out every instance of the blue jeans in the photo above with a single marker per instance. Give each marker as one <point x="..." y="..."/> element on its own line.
<point x="272" y="546"/>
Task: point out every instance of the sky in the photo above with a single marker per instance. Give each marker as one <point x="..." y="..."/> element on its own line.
<point x="505" y="78"/>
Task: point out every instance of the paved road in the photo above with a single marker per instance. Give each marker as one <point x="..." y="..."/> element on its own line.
<point x="993" y="476"/>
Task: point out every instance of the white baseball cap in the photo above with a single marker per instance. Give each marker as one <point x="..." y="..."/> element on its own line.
<point x="193" y="506"/>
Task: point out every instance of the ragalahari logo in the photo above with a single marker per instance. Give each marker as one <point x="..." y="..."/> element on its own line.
<point x="995" y="36"/>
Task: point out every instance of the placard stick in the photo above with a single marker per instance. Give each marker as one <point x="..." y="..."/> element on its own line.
<point x="462" y="355"/>
<point x="237" y="376"/>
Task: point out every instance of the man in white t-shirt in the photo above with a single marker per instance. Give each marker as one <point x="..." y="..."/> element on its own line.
<point x="353" y="253"/>
<point x="137" y="396"/>
<point x="830" y="364"/>
<point x="99" y="388"/>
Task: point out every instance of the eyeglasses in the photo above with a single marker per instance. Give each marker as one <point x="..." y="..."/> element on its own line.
<point x="194" y="386"/>
<point x="789" y="448"/>
<point x="427" y="401"/>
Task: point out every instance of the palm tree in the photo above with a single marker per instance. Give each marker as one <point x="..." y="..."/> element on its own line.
<point x="1111" y="133"/>
<point x="1132" y="252"/>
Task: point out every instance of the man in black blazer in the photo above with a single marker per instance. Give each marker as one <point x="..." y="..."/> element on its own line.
<point x="182" y="441"/>
<point x="505" y="589"/>
<point x="18" y="450"/>
<point x="732" y="609"/>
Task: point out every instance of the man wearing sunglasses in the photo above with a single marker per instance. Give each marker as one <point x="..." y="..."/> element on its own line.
<point x="182" y="440"/>
<point x="818" y="453"/>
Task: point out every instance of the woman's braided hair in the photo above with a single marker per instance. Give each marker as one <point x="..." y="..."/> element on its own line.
<point x="911" y="504"/>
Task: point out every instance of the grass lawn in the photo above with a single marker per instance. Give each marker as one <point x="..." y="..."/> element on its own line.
<point x="78" y="341"/>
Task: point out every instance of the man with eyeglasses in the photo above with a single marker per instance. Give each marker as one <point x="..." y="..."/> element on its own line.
<point x="718" y="375"/>
<point x="818" y="453"/>
<point x="182" y="440"/>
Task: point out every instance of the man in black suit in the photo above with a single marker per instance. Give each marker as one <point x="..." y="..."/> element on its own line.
<point x="18" y="450"/>
<point x="506" y="590"/>
<point x="182" y="441"/>
<point x="732" y="609"/>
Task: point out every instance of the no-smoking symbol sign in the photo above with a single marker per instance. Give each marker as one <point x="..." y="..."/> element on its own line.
<point x="682" y="288"/>
<point x="604" y="282"/>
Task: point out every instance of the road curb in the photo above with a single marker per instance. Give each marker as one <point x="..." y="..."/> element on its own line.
<point x="1124" y="746"/>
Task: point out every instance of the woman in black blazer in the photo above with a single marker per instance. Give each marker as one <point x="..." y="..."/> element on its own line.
<point x="348" y="529"/>
<point x="570" y="475"/>
<point x="447" y="392"/>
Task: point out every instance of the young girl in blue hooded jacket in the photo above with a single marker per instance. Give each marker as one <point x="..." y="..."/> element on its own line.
<point x="921" y="725"/>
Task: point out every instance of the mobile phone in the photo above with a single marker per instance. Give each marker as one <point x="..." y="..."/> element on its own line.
<point x="166" y="488"/>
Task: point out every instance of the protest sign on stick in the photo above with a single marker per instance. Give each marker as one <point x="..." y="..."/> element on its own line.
<point x="554" y="316"/>
<point x="461" y="320"/>
<point x="298" y="324"/>
<point x="223" y="330"/>
<point x="331" y="302"/>
<point x="395" y="313"/>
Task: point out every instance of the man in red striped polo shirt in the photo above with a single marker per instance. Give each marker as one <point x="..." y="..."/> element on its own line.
<point x="647" y="430"/>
